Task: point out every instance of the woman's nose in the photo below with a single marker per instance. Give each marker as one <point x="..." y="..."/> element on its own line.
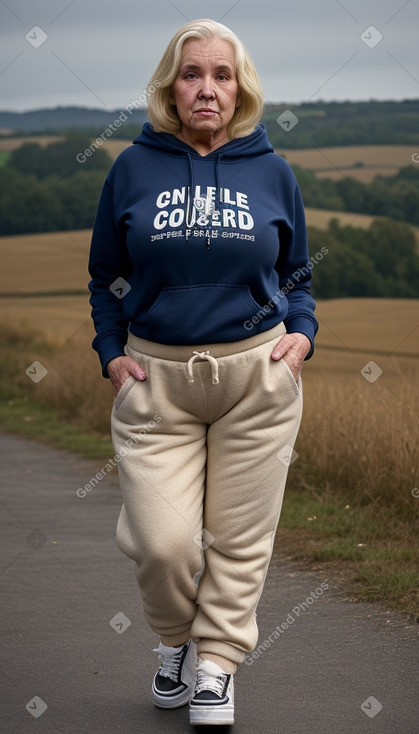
<point x="207" y="88"/>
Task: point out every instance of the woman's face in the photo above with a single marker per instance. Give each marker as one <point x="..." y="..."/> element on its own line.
<point x="205" y="91"/>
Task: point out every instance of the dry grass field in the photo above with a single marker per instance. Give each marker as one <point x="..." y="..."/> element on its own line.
<point x="57" y="318"/>
<point x="44" y="263"/>
<point x="370" y="156"/>
<point x="320" y="218"/>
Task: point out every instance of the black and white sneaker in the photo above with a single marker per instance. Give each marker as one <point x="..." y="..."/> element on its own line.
<point x="174" y="682"/>
<point x="213" y="699"/>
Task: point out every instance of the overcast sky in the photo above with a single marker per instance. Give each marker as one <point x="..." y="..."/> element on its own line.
<point x="102" y="53"/>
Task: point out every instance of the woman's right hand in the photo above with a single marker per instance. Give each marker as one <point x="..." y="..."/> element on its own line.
<point x="120" y="368"/>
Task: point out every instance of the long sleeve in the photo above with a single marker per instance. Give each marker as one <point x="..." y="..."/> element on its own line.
<point x="294" y="269"/>
<point x="108" y="261"/>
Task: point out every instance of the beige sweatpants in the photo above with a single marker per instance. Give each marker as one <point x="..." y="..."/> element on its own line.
<point x="204" y="445"/>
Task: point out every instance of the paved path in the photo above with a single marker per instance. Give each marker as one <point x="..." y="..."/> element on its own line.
<point x="74" y="639"/>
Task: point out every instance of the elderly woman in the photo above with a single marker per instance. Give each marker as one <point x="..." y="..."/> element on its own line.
<point x="200" y="297"/>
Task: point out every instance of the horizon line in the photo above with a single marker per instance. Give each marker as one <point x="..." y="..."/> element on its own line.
<point x="269" y="103"/>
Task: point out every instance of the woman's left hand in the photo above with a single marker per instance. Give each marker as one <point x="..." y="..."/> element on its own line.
<point x="293" y="348"/>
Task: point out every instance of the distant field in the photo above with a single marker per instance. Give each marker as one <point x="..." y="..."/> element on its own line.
<point x="384" y="160"/>
<point x="377" y="156"/>
<point x="371" y="156"/>
<point x="50" y="262"/>
<point x="13" y="143"/>
<point x="320" y="218"/>
<point x="365" y="175"/>
<point x="334" y="163"/>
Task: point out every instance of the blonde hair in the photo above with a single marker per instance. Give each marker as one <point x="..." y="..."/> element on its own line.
<point x="163" y="114"/>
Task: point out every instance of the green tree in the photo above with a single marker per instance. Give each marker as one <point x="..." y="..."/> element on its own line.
<point x="59" y="158"/>
<point x="27" y="205"/>
<point x="379" y="262"/>
<point x="79" y="197"/>
<point x="26" y="159"/>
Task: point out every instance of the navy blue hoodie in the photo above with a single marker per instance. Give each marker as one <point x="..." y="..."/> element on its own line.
<point x="191" y="249"/>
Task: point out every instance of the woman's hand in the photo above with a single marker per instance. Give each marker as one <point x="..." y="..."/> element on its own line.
<point x="120" y="368"/>
<point x="293" y="348"/>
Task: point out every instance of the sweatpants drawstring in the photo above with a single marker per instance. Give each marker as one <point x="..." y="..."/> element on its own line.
<point x="213" y="362"/>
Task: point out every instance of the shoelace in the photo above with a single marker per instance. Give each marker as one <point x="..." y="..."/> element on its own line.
<point x="169" y="666"/>
<point x="213" y="362"/>
<point x="207" y="682"/>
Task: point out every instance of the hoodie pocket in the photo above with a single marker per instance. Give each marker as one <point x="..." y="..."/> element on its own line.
<point x="202" y="314"/>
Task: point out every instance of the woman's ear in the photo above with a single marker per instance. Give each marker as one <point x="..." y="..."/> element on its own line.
<point x="238" y="100"/>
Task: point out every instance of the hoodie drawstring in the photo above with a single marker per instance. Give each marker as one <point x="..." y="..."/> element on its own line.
<point x="213" y="362"/>
<point x="190" y="205"/>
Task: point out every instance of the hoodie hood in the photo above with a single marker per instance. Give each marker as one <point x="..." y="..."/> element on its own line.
<point x="255" y="144"/>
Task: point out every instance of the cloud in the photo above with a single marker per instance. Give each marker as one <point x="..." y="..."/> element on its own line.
<point x="100" y="53"/>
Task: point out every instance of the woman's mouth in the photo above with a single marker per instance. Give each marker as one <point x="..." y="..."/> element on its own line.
<point x="206" y="112"/>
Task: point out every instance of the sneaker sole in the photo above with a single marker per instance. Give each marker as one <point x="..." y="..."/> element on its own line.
<point x="208" y="715"/>
<point x="174" y="702"/>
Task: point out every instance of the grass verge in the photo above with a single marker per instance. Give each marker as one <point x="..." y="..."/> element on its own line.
<point x="24" y="417"/>
<point x="375" y="555"/>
